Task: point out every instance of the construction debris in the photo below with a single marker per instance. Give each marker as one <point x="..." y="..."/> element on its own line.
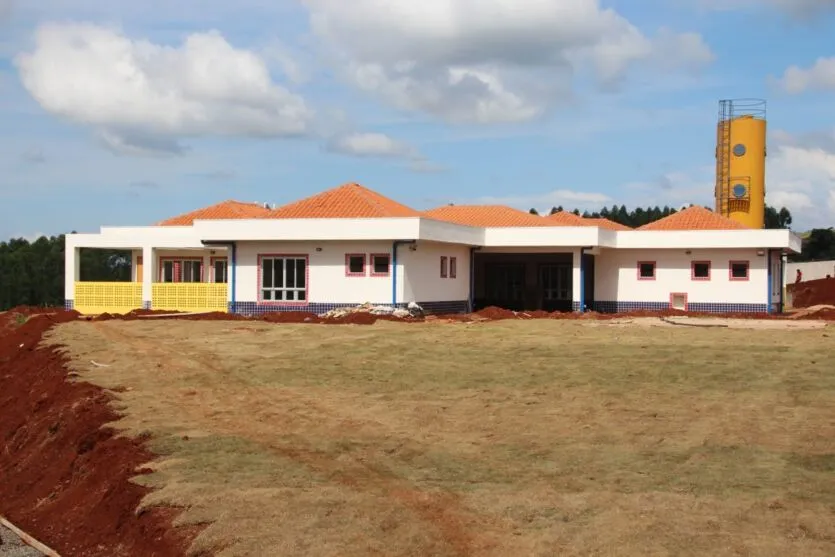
<point x="412" y="310"/>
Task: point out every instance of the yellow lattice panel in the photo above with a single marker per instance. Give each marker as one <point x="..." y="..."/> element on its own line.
<point x="107" y="297"/>
<point x="189" y="296"/>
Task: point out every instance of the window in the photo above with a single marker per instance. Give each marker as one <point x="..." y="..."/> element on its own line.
<point x="220" y="270"/>
<point x="192" y="271"/>
<point x="380" y="263"/>
<point x="700" y="270"/>
<point x="646" y="270"/>
<point x="739" y="270"/>
<point x="453" y="267"/>
<point x="355" y="265"/>
<point x="444" y="271"/>
<point x="167" y="273"/>
<point x="181" y="270"/>
<point x="284" y="278"/>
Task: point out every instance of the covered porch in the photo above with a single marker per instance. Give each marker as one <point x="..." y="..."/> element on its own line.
<point x="530" y="279"/>
<point x="159" y="278"/>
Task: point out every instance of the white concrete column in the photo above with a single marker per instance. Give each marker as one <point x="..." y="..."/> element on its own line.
<point x="148" y="270"/>
<point x="72" y="271"/>
<point x="576" y="278"/>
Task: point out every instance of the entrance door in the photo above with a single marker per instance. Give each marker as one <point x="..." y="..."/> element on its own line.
<point x="555" y="287"/>
<point x="505" y="285"/>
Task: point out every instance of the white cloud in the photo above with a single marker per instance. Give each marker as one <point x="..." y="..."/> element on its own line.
<point x="821" y="75"/>
<point x="379" y="145"/>
<point x="487" y="61"/>
<point x="138" y="94"/>
<point x="370" y="145"/>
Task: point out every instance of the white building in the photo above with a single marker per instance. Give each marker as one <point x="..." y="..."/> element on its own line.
<point x="350" y="245"/>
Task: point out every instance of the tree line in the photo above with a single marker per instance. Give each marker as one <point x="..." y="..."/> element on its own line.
<point x="640" y="216"/>
<point x="32" y="273"/>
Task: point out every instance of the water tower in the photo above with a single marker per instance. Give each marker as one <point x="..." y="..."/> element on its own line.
<point x="740" y="161"/>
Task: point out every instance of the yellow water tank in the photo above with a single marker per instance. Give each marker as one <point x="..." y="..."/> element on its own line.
<point x="740" y="167"/>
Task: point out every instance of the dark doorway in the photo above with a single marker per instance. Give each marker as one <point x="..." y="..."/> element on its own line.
<point x="588" y="280"/>
<point x="523" y="281"/>
<point x="505" y="285"/>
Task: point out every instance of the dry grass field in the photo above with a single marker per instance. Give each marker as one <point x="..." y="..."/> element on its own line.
<point x="504" y="438"/>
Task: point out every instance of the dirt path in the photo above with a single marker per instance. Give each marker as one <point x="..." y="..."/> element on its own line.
<point x="463" y="531"/>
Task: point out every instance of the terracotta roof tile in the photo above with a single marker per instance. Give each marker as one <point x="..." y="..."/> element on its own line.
<point x="566" y="218"/>
<point x="343" y="202"/>
<point x="606" y="223"/>
<point x="486" y="216"/>
<point x="221" y="211"/>
<point x="695" y="218"/>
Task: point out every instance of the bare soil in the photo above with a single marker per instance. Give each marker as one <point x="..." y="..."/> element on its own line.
<point x="66" y="478"/>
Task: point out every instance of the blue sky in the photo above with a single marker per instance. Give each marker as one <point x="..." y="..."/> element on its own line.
<point x="126" y="113"/>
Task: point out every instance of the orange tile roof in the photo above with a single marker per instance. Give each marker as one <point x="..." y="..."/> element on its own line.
<point x="485" y="215"/>
<point x="348" y="201"/>
<point x="695" y="218"/>
<point x="606" y="223"/>
<point x="224" y="210"/>
<point x="565" y="218"/>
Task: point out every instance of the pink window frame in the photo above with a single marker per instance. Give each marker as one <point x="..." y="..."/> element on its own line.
<point x="747" y="270"/>
<point x="348" y="272"/>
<point x="371" y="264"/>
<point x="693" y="270"/>
<point x="444" y="266"/>
<point x="295" y="303"/>
<point x="212" y="262"/>
<point x="654" y="270"/>
<point x="453" y="267"/>
<point x="174" y="259"/>
<point x="686" y="302"/>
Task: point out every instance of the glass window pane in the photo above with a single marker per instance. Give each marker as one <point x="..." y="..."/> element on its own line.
<point x="302" y="295"/>
<point x="701" y="270"/>
<point x="356" y="263"/>
<point x="291" y="295"/>
<point x="279" y="294"/>
<point x="168" y="271"/>
<point x="291" y="273"/>
<point x="647" y="270"/>
<point x="220" y="271"/>
<point x="267" y="273"/>
<point x="267" y="295"/>
<point x="278" y="273"/>
<point x="381" y="264"/>
<point x="739" y="270"/>
<point x="300" y="273"/>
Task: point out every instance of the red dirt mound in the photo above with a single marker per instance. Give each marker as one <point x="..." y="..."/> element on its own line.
<point x="813" y="293"/>
<point x="290" y="317"/>
<point x="66" y="478"/>
<point x="495" y="313"/>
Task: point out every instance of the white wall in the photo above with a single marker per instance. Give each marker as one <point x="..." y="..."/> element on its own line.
<point x="811" y="270"/>
<point x="422" y="281"/>
<point x="616" y="276"/>
<point x="327" y="282"/>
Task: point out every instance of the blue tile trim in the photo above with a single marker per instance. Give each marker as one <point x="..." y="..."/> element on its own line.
<point x="711" y="307"/>
<point x="253" y="308"/>
<point x="456" y="306"/>
<point x="68" y="305"/>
